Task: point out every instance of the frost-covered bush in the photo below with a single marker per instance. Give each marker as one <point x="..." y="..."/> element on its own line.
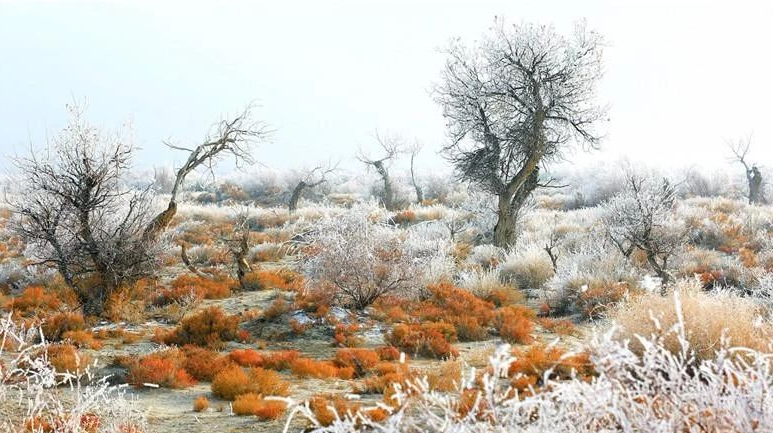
<point x="655" y="389"/>
<point x="361" y="259"/>
<point x="35" y="398"/>
<point x="527" y="267"/>
<point x="642" y="218"/>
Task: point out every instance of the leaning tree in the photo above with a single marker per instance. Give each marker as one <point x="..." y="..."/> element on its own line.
<point x="392" y="146"/>
<point x="77" y="213"/>
<point x="515" y="101"/>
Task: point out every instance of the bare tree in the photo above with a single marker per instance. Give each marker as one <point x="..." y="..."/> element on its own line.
<point x="514" y="102"/>
<point x="740" y="150"/>
<point x="642" y="217"/>
<point x="74" y="209"/>
<point x="309" y="179"/>
<point x="392" y="146"/>
<point x="415" y="149"/>
<point x="234" y="137"/>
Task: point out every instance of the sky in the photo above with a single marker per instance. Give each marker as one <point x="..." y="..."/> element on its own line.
<point x="681" y="78"/>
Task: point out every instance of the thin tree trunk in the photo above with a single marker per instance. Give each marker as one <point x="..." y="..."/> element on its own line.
<point x="388" y="194"/>
<point x="296" y="196"/>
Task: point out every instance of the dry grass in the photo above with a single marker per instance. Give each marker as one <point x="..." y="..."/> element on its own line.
<point x="707" y="318"/>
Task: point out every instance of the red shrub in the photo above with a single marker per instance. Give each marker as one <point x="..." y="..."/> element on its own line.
<point x="254" y="404"/>
<point x="54" y="327"/>
<point x="234" y="381"/>
<point x="346" y="335"/>
<point x="200" y="404"/>
<point x="361" y="360"/>
<point x="33" y="300"/>
<point x="514" y="324"/>
<point x="203" y="364"/>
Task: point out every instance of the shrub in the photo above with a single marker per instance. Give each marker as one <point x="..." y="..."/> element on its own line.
<point x="203" y="364"/>
<point x="200" y="404"/>
<point x="269" y="382"/>
<point x="65" y="358"/>
<point x="195" y="286"/>
<point x="531" y="365"/>
<point x="361" y="360"/>
<point x="246" y="357"/>
<point x="266" y="279"/>
<point x="162" y="369"/>
<point x="209" y="327"/>
<point x="469" y="314"/>
<point x="235" y="381"/>
<point x="708" y="317"/>
<point x="54" y="327"/>
<point x="231" y="382"/>
<point x="560" y="327"/>
<point x="82" y="339"/>
<point x="428" y="339"/>
<point x="445" y="377"/>
<point x="596" y="298"/>
<point x="514" y="324"/>
<point x="34" y="300"/>
<point x="530" y="268"/>
<point x="280" y="360"/>
<point x="345" y="335"/>
<point x="362" y="260"/>
<point x="388" y="353"/>
<point x="253" y="404"/>
<point x="305" y="367"/>
<point x="327" y="409"/>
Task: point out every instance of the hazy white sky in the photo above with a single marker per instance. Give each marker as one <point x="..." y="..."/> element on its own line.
<point x="681" y="77"/>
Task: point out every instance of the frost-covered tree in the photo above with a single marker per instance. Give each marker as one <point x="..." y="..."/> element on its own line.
<point x="642" y="218"/>
<point x="513" y="102"/>
<point x="359" y="259"/>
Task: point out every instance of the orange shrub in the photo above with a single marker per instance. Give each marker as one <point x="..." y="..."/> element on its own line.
<point x="269" y="382"/>
<point x="204" y="364"/>
<point x="428" y="339"/>
<point x="280" y="360"/>
<point x="327" y="409"/>
<point x="246" y="357"/>
<point x="82" y="339"/>
<point x="234" y="381"/>
<point x="532" y="363"/>
<point x="33" y="300"/>
<point x="305" y="367"/>
<point x="163" y="369"/>
<point x="254" y="404"/>
<point x="187" y="285"/>
<point x="597" y="297"/>
<point x="231" y="382"/>
<point x="387" y="375"/>
<point x="514" y="324"/>
<point x="345" y="335"/>
<point x="209" y="327"/>
<point x="559" y="327"/>
<point x="66" y="359"/>
<point x="469" y="314"/>
<point x="361" y="360"/>
<point x="200" y="404"/>
<point x="54" y="327"/>
<point x="388" y="353"/>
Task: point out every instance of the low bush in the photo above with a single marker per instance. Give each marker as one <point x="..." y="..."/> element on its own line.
<point x="65" y="358"/>
<point x="55" y="326"/>
<point x="254" y="404"/>
<point x="235" y="381"/>
<point x="514" y="324"/>
<point x="197" y="287"/>
<point x="427" y="339"/>
<point x="280" y="360"/>
<point x="531" y="364"/>
<point x="34" y="300"/>
<point x="346" y="335"/>
<point x="164" y="369"/>
<point x="708" y="318"/>
<point x="200" y="404"/>
<point x="203" y="364"/>
<point x="305" y="367"/>
<point x="276" y="310"/>
<point x="210" y="327"/>
<point x="361" y="360"/>
<point x="82" y="339"/>
<point x="246" y="357"/>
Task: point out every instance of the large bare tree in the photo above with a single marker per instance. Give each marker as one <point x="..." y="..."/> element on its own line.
<point x="513" y="102"/>
<point x="233" y="137"/>
<point x="754" y="181"/>
<point x="75" y="208"/>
